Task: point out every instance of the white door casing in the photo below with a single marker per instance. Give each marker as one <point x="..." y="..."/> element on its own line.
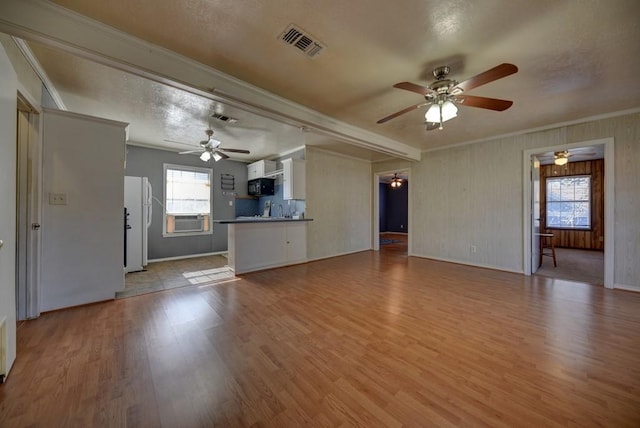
<point x="535" y="213"/>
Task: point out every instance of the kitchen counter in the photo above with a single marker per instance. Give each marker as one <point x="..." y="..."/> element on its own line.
<point x="256" y="243"/>
<point x="260" y="220"/>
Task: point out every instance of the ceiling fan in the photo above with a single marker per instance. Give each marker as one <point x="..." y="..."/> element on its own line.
<point x="562" y="157"/>
<point x="445" y="94"/>
<point x="210" y="148"/>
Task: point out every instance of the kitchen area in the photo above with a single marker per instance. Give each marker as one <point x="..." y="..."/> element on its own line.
<point x="270" y="228"/>
<point x="257" y="212"/>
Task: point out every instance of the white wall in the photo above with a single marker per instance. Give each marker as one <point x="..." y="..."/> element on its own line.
<point x="472" y="195"/>
<point x="8" y="109"/>
<point x="339" y="196"/>
<point x="28" y="81"/>
<point x="82" y="241"/>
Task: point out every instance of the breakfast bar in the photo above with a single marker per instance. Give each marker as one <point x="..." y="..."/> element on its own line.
<point x="256" y="243"/>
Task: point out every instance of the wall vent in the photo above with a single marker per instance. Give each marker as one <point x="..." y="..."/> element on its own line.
<point x="301" y="40"/>
<point x="223" y="118"/>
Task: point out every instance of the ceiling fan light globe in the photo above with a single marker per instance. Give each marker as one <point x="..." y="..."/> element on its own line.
<point x="217" y="156"/>
<point x="205" y="156"/>
<point x="449" y="111"/>
<point x="433" y="113"/>
<point x="560" y="161"/>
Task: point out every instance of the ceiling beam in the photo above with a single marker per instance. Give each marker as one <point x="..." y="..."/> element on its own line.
<point x="50" y="24"/>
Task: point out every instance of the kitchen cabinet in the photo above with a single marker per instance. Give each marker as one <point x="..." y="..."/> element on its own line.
<point x="257" y="245"/>
<point x="293" y="179"/>
<point x="260" y="168"/>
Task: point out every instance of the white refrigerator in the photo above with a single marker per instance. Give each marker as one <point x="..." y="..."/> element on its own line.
<point x="138" y="210"/>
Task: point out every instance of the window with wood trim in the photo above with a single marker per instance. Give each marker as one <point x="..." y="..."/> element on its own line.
<point x="569" y="202"/>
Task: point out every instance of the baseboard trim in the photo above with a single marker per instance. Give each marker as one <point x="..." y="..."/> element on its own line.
<point x="627" y="287"/>
<point x="188" y="256"/>
<point x="478" y="265"/>
<point x="338" y="255"/>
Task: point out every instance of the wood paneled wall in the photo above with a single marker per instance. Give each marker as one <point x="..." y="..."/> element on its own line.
<point x="584" y="239"/>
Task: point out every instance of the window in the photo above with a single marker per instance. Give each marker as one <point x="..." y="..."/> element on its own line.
<point x="569" y="202"/>
<point x="187" y="200"/>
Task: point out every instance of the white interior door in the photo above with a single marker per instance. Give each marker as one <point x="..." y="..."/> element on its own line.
<point x="535" y="213"/>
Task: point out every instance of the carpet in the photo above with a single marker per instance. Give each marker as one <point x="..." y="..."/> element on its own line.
<point x="575" y="265"/>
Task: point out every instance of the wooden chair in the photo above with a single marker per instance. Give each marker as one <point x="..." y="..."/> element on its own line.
<point x="546" y="243"/>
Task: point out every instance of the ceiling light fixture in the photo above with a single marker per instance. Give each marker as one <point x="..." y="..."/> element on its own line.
<point x="561" y="158"/>
<point x="395" y="181"/>
<point x="441" y="111"/>
<point x="205" y="156"/>
<point x="216" y="156"/>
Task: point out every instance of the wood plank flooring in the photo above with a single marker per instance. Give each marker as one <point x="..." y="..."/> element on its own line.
<point x="369" y="339"/>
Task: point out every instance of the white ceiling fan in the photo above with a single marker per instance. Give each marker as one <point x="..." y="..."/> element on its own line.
<point x="210" y="148"/>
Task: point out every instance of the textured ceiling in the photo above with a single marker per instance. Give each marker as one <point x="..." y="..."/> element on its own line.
<point x="576" y="59"/>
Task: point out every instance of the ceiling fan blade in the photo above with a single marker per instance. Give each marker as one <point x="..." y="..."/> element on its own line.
<point x="189" y="151"/>
<point x="408" y="86"/>
<point x="483" y="102"/>
<point x="222" y="155"/>
<point x="498" y="72"/>
<point x="246" y="152"/>
<point x="401" y="112"/>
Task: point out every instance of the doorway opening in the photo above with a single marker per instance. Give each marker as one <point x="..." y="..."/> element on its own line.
<point x="568" y="208"/>
<point x="392" y="213"/>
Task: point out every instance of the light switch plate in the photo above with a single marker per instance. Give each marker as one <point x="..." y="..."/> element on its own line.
<point x="57" y="199"/>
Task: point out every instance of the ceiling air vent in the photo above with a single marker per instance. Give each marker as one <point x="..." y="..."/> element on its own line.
<point x="223" y="118"/>
<point x="300" y="39"/>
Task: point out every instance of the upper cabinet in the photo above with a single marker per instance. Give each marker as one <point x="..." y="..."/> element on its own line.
<point x="293" y="179"/>
<point x="260" y="168"/>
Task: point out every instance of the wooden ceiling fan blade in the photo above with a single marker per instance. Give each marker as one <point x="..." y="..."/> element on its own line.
<point x="498" y="72"/>
<point x="483" y="102"/>
<point x="401" y="112"/>
<point x="222" y="155"/>
<point x="408" y="86"/>
<point x="246" y="152"/>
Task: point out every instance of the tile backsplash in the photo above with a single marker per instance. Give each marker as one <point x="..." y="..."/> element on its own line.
<point x="279" y="207"/>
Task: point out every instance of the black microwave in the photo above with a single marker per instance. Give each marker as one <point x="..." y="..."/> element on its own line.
<point x="261" y="186"/>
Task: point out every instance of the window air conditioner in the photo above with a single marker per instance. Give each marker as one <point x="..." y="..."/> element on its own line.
<point x="189" y="223"/>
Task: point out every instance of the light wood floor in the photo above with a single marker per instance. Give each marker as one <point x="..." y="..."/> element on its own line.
<point x="369" y="339"/>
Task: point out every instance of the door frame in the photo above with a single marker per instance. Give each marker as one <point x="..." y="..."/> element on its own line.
<point x="609" y="202"/>
<point x="375" y="238"/>
<point x="536" y="251"/>
<point x="29" y="205"/>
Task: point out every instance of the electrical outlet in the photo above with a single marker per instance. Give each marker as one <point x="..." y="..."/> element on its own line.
<point x="230" y="203"/>
<point x="473" y="248"/>
<point x="57" y="199"/>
